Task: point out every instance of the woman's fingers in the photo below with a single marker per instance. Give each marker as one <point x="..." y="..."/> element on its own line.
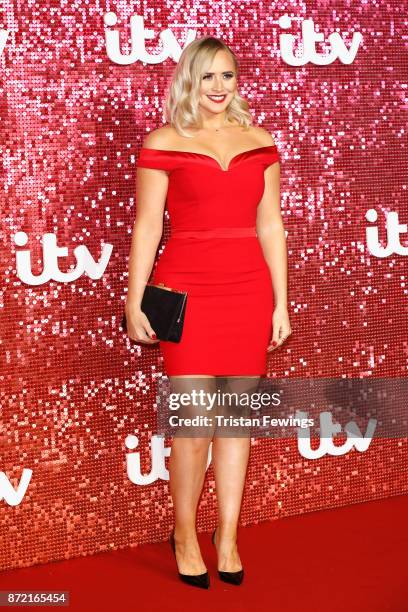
<point x="147" y="336"/>
<point x="139" y="328"/>
<point x="279" y="337"/>
<point x="273" y="345"/>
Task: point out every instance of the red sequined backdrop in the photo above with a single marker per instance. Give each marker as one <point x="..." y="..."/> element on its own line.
<point x="74" y="112"/>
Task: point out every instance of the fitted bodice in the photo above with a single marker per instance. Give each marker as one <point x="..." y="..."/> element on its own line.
<point x="203" y="195"/>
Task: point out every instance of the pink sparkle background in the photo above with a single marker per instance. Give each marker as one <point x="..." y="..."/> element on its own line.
<point x="72" y="385"/>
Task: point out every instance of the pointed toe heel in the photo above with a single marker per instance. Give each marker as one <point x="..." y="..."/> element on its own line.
<point x="201" y="581"/>
<point x="235" y="578"/>
<point x="232" y="577"/>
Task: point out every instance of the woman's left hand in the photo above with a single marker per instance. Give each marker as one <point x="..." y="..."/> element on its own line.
<point x="281" y="328"/>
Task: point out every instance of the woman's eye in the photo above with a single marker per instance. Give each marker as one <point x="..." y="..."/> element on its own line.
<point x="228" y="75"/>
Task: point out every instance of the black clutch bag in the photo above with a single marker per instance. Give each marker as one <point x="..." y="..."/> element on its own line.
<point x="165" y="308"/>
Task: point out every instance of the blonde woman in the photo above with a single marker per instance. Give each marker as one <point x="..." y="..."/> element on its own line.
<point x="220" y="177"/>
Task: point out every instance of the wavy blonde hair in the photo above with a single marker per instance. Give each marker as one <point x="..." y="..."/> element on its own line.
<point x="181" y="102"/>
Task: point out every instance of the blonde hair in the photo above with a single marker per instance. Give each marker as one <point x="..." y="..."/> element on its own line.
<point x="181" y="103"/>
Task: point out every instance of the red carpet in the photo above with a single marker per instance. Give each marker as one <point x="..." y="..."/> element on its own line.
<point x="351" y="559"/>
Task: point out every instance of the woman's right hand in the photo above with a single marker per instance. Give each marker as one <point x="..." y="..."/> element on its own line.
<point x="138" y="325"/>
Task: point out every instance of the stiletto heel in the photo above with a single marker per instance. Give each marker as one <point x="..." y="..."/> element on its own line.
<point x="200" y="580"/>
<point x="230" y="577"/>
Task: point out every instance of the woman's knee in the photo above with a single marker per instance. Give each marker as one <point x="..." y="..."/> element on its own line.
<point x="192" y="445"/>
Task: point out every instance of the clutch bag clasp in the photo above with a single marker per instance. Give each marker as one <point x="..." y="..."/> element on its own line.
<point x="163" y="286"/>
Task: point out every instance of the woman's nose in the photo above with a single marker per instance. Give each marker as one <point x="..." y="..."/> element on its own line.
<point x="218" y="84"/>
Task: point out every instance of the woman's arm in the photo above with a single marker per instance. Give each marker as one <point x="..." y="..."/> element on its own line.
<point x="151" y="193"/>
<point x="271" y="235"/>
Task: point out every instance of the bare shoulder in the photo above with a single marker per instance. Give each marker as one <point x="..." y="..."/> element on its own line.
<point x="161" y="138"/>
<point x="264" y="137"/>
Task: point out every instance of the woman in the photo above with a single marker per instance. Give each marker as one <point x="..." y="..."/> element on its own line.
<point x="220" y="176"/>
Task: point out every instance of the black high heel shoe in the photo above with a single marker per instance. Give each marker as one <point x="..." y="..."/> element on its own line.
<point x="230" y="577"/>
<point x="200" y="580"/>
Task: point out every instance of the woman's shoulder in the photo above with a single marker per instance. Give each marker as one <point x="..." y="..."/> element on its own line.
<point x="263" y="137"/>
<point x="166" y="137"/>
<point x="160" y="138"/>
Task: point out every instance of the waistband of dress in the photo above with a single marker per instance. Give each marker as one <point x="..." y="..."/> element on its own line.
<point x="216" y="232"/>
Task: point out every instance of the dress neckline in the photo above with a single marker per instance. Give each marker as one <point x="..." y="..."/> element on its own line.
<point x="219" y="165"/>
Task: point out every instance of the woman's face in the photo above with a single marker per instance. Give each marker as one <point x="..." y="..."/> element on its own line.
<point x="219" y="84"/>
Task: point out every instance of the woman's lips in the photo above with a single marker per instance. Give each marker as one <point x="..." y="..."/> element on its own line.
<point x="217" y="99"/>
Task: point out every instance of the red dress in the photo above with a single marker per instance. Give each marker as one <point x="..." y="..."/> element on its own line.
<point x="213" y="253"/>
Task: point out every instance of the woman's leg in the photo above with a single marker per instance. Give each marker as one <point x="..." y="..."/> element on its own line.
<point x="230" y="457"/>
<point x="187" y="467"/>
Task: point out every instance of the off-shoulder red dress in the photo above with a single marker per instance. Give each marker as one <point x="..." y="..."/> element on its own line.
<point x="214" y="254"/>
